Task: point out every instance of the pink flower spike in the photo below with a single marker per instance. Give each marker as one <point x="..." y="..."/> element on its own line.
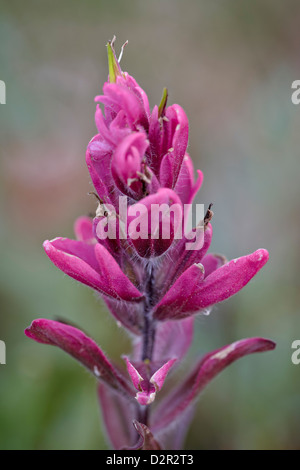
<point x="81" y="347"/>
<point x="150" y="267"/>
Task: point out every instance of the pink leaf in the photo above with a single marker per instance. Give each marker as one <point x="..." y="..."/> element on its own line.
<point x="207" y="368"/>
<point x="81" y="347"/>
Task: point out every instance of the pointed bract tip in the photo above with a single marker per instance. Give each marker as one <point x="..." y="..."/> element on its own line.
<point x="114" y="68"/>
<point x="163" y="103"/>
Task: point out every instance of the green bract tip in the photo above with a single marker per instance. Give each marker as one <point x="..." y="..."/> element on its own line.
<point x="114" y="68"/>
<point x="163" y="103"/>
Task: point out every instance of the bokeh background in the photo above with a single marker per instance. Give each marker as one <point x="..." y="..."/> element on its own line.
<point x="230" y="65"/>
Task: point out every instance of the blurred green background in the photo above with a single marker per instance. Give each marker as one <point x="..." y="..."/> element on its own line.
<point x="230" y="65"/>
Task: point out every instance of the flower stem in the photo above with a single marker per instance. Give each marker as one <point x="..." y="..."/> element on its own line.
<point x="148" y="332"/>
<point x="149" y="324"/>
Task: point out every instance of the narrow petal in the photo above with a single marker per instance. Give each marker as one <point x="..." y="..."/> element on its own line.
<point x="82" y="267"/>
<point x="185" y="187"/>
<point x="117" y="283"/>
<point x="126" y="164"/>
<point x="218" y="286"/>
<point x="229" y="279"/>
<point x="158" y="378"/>
<point x="175" y="300"/>
<point x="81" y="347"/>
<point x="118" y="127"/>
<point x="102" y="187"/>
<point x="155" y="138"/>
<point x="111" y="133"/>
<point x="176" y="132"/>
<point x="80" y="249"/>
<point x="132" y="84"/>
<point x="182" y="258"/>
<point x="118" y="97"/>
<point x="134" y="374"/>
<point x="176" y="115"/>
<point x="103" y="128"/>
<point x="207" y="368"/>
<point x="93" y="266"/>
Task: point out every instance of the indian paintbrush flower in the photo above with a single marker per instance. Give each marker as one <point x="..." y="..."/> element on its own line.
<point x="155" y="286"/>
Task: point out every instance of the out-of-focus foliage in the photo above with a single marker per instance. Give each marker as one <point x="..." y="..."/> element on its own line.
<point x="230" y="65"/>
